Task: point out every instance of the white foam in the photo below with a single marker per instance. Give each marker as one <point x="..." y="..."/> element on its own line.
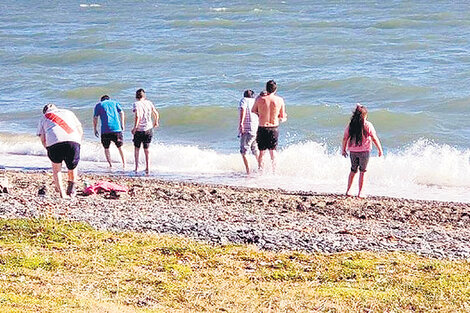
<point x="93" y="5"/>
<point x="219" y="9"/>
<point x="422" y="171"/>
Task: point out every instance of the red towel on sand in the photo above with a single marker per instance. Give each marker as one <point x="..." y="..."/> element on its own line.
<point x="103" y="186"/>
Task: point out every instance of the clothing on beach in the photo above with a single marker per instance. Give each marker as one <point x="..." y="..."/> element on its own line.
<point x="59" y="125"/>
<point x="267" y="137"/>
<point x="104" y="186"/>
<point x="250" y="123"/>
<point x="68" y="151"/>
<point x="248" y="142"/>
<point x="116" y="137"/>
<point x="143" y="109"/>
<point x="359" y="159"/>
<point x="366" y="144"/>
<point x="143" y="137"/>
<point x="109" y="114"/>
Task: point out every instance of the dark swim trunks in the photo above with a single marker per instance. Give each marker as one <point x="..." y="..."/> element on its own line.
<point x="267" y="137"/>
<point x="116" y="137"/>
<point x="144" y="138"/>
<point x="68" y="151"/>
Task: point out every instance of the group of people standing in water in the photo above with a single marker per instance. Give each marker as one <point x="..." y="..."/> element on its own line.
<point x="259" y="119"/>
<point x="61" y="134"/>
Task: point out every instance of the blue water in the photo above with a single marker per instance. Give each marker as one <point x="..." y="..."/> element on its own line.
<point x="408" y="62"/>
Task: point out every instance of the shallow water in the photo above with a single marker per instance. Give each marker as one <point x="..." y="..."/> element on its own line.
<point x="407" y="62"/>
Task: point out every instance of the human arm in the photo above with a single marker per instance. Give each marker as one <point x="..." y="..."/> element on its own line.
<point x="377" y="143"/>
<point x="241" y="118"/>
<point x="345" y="142"/>
<point x="282" y="112"/>
<point x="95" y="125"/>
<point x="122" y="118"/>
<point x="156" y="117"/>
<point x="41" y="133"/>
<point x="344" y="145"/>
<point x="43" y="139"/>
<point x="374" y="137"/>
<point x="136" y="122"/>
<point x="136" y="118"/>
<point x="254" y="109"/>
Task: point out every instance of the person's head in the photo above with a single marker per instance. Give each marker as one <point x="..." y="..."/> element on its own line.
<point x="104" y="98"/>
<point x="249" y="94"/>
<point x="360" y="111"/>
<point x="271" y="86"/>
<point x="139" y="94"/>
<point x="356" y="126"/>
<point x="48" y="107"/>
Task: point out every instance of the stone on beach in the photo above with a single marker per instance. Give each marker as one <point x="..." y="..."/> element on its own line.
<point x="269" y="219"/>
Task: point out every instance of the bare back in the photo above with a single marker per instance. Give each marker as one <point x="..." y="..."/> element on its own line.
<point x="270" y="109"/>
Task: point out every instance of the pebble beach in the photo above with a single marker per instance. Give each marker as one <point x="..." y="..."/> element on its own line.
<point x="270" y="219"/>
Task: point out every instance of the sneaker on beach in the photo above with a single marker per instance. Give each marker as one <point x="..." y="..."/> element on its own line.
<point x="42" y="191"/>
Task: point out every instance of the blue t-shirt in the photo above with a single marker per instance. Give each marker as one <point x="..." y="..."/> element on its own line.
<point x="108" y="111"/>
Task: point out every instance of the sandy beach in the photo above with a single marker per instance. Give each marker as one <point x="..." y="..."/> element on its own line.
<point x="269" y="219"/>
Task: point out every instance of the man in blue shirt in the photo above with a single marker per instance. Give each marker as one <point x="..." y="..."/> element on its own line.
<point x="112" y="126"/>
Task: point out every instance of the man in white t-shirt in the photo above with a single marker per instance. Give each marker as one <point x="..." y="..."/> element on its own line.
<point x="247" y="127"/>
<point x="146" y="119"/>
<point x="61" y="134"/>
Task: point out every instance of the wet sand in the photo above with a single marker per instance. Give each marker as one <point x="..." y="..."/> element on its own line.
<point x="270" y="219"/>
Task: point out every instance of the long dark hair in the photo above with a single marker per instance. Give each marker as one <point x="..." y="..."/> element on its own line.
<point x="356" y="126"/>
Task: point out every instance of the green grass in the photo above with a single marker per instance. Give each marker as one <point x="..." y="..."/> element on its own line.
<point x="58" y="266"/>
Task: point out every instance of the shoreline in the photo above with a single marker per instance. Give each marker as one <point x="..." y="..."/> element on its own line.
<point x="271" y="219"/>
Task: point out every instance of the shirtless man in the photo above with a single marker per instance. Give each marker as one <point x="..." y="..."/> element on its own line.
<point x="271" y="111"/>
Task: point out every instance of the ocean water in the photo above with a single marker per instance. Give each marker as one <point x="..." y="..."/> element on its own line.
<point x="408" y="62"/>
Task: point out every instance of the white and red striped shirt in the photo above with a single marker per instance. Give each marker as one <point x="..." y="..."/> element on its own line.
<point x="59" y="125"/>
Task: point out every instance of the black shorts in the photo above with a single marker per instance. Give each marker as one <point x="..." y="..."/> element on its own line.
<point x="68" y="151"/>
<point x="267" y="138"/>
<point x="144" y="138"/>
<point x="114" y="137"/>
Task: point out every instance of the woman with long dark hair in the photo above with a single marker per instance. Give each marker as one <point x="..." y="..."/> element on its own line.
<point x="358" y="138"/>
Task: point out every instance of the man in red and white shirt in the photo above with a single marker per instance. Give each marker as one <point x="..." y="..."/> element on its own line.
<point x="61" y="134"/>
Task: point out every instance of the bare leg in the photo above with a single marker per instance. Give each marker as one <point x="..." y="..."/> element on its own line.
<point x="147" y="161"/>
<point x="72" y="175"/>
<point x="57" y="175"/>
<point x="122" y="158"/>
<point x="273" y="154"/>
<point x="260" y="159"/>
<point x="350" y="180"/>
<point x="108" y="157"/>
<point x="136" y="158"/>
<point x="256" y="153"/>
<point x="361" y="182"/>
<point x="245" y="161"/>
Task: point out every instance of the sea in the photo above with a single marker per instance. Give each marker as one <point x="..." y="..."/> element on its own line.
<point x="408" y="62"/>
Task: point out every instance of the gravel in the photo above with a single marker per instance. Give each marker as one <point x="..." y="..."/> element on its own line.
<point x="269" y="219"/>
